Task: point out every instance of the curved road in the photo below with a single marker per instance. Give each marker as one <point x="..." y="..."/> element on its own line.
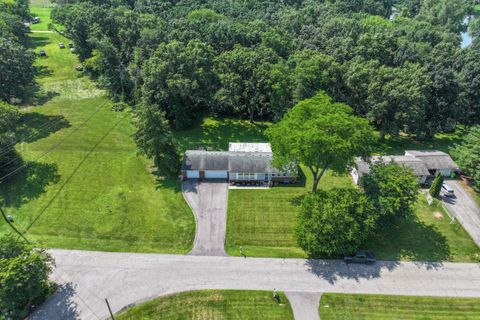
<point x="125" y="279"/>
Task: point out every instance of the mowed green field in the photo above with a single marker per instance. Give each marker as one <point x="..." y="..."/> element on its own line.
<point x="213" y="305"/>
<point x="382" y="307"/>
<point x="84" y="186"/>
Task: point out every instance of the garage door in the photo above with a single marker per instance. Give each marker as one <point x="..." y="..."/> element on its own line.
<point x="215" y="174"/>
<point x="193" y="174"/>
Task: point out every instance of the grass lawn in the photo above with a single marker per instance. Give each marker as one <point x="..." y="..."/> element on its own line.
<point x="262" y="221"/>
<point x="85" y="187"/>
<point x="43" y="12"/>
<point x="477" y="9"/>
<point x="382" y="307"/>
<point x="424" y="238"/>
<point x="213" y="305"/>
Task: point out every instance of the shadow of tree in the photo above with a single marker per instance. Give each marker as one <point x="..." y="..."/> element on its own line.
<point x="60" y="306"/>
<point x="28" y="184"/>
<point x="409" y="238"/>
<point x="38" y="41"/>
<point x="333" y="270"/>
<point x="34" y="126"/>
<point x="36" y="96"/>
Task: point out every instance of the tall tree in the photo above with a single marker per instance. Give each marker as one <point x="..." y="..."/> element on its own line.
<point x="467" y="153"/>
<point x="320" y="134"/>
<point x="179" y="80"/>
<point x="155" y="140"/>
<point x="392" y="188"/>
<point x="9" y="117"/>
<point x="245" y="75"/>
<point x="334" y="222"/>
<point x="16" y="69"/>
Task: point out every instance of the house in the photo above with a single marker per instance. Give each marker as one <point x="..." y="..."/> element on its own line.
<point x="436" y="161"/>
<point x="416" y="165"/>
<point x="242" y="163"/>
<point x="424" y="164"/>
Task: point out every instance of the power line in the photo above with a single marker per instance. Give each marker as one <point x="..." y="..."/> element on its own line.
<point x="42" y="128"/>
<point x="55" y="145"/>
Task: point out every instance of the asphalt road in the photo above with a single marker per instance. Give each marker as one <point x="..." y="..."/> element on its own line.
<point x="465" y="210"/>
<point x="126" y="278"/>
<point x="208" y="201"/>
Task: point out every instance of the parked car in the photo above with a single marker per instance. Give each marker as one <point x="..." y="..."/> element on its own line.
<point x="42" y="53"/>
<point x="447" y="190"/>
<point x="79" y="67"/>
<point x="70" y="45"/>
<point x="35" y="20"/>
<point x="61" y="45"/>
<point x="361" y="257"/>
<point x="73" y="50"/>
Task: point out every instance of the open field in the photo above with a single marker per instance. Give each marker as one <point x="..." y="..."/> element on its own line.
<point x="213" y="304"/>
<point x="84" y="186"/>
<point x="382" y="307"/>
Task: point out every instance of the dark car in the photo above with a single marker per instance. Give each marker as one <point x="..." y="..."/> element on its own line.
<point x="42" y="53"/>
<point x="61" y="45"/>
<point x="361" y="257"/>
<point x="70" y="45"/>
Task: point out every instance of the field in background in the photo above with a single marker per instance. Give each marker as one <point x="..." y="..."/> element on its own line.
<point x="213" y="304"/>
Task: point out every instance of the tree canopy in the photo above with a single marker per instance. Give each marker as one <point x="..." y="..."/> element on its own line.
<point x="24" y="272"/>
<point x="320" y="134"/>
<point x="334" y="222"/>
<point x="392" y="188"/>
<point x="467" y="153"/>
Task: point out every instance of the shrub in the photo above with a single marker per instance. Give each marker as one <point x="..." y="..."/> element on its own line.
<point x="436" y="185"/>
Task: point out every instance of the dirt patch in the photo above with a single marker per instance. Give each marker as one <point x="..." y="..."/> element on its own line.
<point x="438" y="215"/>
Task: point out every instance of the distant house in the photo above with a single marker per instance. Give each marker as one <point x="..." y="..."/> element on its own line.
<point x="243" y="163"/>
<point x="423" y="163"/>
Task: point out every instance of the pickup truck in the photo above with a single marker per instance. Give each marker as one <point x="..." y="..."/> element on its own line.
<point x="361" y="257"/>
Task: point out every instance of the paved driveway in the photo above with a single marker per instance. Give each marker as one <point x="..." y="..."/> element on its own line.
<point x="208" y="200"/>
<point x="465" y="210"/>
<point x="128" y="278"/>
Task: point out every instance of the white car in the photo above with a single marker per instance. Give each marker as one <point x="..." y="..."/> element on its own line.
<point x="447" y="190"/>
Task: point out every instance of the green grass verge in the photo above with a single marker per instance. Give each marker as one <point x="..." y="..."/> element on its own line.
<point x="477" y="9"/>
<point x="91" y="191"/>
<point x="213" y="304"/>
<point x="383" y="307"/>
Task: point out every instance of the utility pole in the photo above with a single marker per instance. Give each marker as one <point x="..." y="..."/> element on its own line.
<point x="109" y="309"/>
<point x="11" y="225"/>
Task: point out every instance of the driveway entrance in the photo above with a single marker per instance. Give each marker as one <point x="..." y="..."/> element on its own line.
<point x="208" y="200"/>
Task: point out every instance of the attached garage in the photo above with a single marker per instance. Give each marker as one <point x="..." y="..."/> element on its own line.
<point x="211" y="174"/>
<point x="193" y="174"/>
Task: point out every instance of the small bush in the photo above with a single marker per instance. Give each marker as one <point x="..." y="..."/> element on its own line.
<point x="119" y="106"/>
<point x="436" y="185"/>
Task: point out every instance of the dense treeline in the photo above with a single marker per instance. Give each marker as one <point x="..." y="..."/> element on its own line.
<point x="257" y="58"/>
<point x="16" y="75"/>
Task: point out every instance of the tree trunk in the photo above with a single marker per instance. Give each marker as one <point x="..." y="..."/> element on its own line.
<point x="317" y="178"/>
<point x="252" y="112"/>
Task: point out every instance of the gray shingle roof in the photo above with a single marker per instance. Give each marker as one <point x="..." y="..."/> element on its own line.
<point x="418" y="167"/>
<point x="205" y="160"/>
<point x="247" y="162"/>
<point x="433" y="159"/>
